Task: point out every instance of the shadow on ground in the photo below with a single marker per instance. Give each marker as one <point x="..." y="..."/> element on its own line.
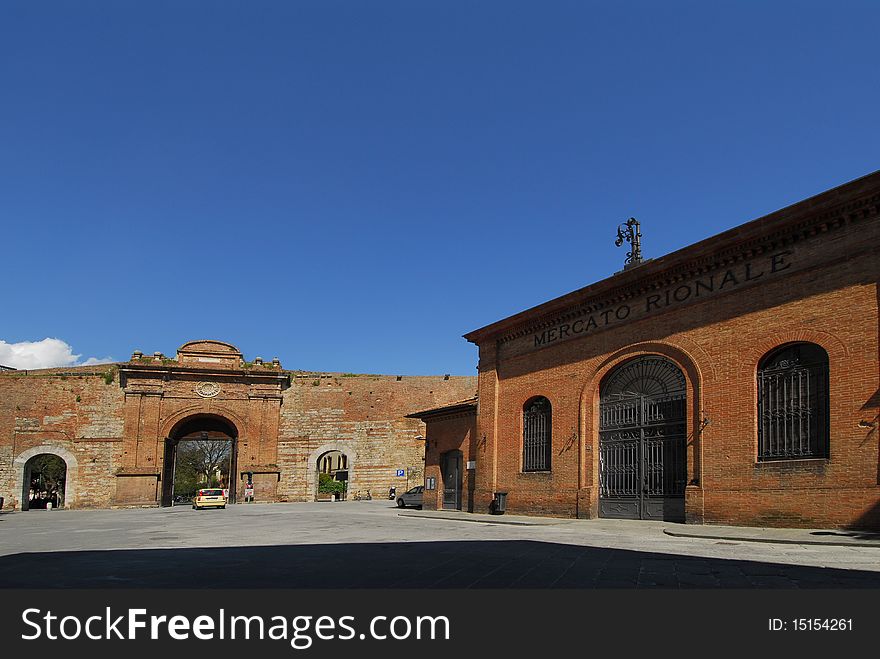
<point x="461" y="564"/>
<point x="858" y="535"/>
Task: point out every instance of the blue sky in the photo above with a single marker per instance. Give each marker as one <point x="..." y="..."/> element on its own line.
<point x="351" y="186"/>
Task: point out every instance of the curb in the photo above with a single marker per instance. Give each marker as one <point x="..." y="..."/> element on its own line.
<point x="779" y="541"/>
<point x="509" y="522"/>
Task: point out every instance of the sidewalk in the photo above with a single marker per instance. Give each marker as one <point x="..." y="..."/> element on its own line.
<point x="837" y="537"/>
<point x="459" y="516"/>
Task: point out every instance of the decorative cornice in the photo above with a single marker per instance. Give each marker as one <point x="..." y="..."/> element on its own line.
<point x="167" y="372"/>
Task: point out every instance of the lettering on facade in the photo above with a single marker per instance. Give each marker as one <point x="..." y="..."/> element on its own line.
<point x="695" y="289"/>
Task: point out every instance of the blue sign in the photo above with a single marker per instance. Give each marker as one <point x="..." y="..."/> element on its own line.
<point x="401" y="472"/>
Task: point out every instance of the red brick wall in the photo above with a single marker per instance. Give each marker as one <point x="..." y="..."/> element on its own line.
<point x="364" y="416"/>
<point x="71" y="412"/>
<point x="828" y="296"/>
<point x="454" y="432"/>
<point x="113" y="439"/>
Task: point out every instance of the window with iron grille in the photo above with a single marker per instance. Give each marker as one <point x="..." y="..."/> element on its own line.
<point x="793" y="403"/>
<point x="536" y="434"/>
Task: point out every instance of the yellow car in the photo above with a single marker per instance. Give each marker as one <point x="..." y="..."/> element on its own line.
<point x="209" y="498"/>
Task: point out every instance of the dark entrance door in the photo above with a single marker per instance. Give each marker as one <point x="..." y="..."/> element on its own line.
<point x="170" y="461"/>
<point x="642" y="438"/>
<point x="452" y="480"/>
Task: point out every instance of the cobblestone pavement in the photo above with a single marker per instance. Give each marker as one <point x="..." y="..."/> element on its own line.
<point x="367" y="544"/>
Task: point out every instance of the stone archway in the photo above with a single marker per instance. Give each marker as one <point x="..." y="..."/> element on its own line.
<point x="342" y="447"/>
<point x="332" y="466"/>
<point x="22" y="475"/>
<point x="213" y="432"/>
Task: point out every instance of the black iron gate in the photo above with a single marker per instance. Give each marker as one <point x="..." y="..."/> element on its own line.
<point x="642" y="439"/>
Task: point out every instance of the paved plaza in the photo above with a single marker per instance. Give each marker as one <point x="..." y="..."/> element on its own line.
<point x="370" y="544"/>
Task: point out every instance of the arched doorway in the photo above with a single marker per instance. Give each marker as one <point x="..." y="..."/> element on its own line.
<point x="332" y="475"/>
<point x="201" y="451"/>
<point x="642" y="440"/>
<point x="44" y="482"/>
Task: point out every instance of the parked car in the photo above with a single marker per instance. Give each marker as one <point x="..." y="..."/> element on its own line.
<point x="413" y="497"/>
<point x="209" y="498"/>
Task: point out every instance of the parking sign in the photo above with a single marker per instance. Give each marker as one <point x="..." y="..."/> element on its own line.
<point x="401" y="472"/>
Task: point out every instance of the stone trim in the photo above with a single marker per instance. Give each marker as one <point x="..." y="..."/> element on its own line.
<point x="71" y="485"/>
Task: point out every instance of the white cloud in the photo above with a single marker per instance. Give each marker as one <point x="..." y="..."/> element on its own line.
<point x="93" y="361"/>
<point x="47" y="353"/>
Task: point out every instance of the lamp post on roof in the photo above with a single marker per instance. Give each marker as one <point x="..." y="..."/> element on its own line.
<point x="633" y="235"/>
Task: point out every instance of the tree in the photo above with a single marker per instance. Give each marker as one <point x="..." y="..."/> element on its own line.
<point x="48" y="473"/>
<point x="205" y="461"/>
<point x="327" y="485"/>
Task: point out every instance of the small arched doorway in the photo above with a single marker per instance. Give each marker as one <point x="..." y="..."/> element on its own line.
<point x="642" y="440"/>
<point x="201" y="451"/>
<point x="44" y="482"/>
<point x="332" y="475"/>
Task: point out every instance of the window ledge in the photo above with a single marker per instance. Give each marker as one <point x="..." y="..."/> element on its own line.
<point x="814" y="466"/>
<point x="776" y="461"/>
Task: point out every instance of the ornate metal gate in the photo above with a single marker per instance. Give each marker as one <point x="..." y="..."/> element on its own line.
<point x="642" y="437"/>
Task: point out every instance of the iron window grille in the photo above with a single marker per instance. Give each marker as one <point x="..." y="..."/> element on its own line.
<point x="793" y="403"/>
<point x="537" y="422"/>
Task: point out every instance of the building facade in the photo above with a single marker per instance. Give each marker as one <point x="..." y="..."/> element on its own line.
<point x="734" y="381"/>
<point x="450" y="455"/>
<point x="117" y="427"/>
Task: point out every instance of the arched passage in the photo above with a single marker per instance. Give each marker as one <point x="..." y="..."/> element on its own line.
<point x="44" y="482"/>
<point x="200" y="451"/>
<point x="332" y="474"/>
<point x="310" y="488"/>
<point x="23" y="468"/>
<point x="642" y="440"/>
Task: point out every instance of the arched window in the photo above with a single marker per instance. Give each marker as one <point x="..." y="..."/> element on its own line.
<point x="793" y="403"/>
<point x="537" y="416"/>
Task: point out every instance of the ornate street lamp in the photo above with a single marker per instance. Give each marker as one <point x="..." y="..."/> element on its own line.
<point x="633" y="236"/>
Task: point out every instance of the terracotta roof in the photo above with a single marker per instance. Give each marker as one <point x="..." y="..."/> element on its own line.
<point x="452" y="408"/>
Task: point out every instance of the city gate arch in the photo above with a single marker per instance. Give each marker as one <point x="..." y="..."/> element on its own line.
<point x="213" y="431"/>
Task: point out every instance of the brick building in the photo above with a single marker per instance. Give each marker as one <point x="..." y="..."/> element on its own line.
<point x="117" y="427"/>
<point x="733" y="381"/>
<point x="450" y="455"/>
